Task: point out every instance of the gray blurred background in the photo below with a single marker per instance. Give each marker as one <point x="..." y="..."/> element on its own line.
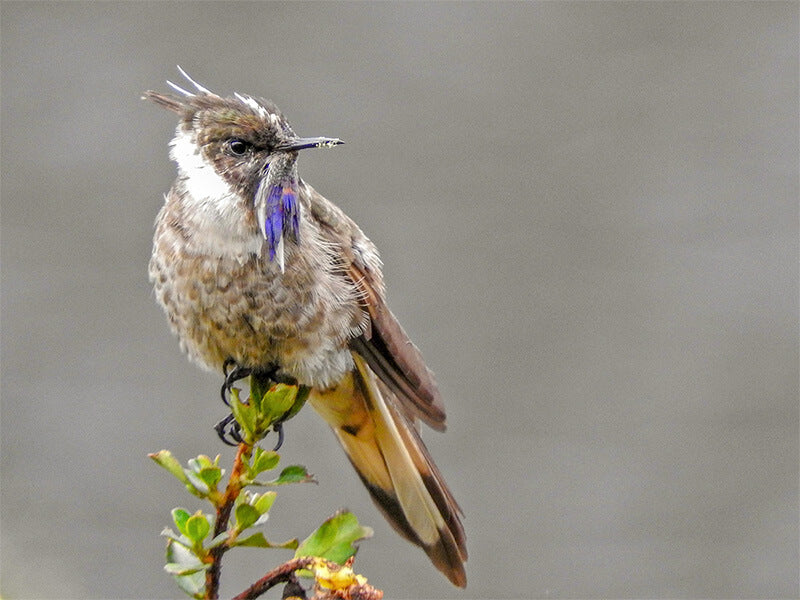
<point x="589" y="218"/>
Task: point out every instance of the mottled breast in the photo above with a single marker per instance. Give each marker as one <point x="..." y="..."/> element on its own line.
<point x="227" y="300"/>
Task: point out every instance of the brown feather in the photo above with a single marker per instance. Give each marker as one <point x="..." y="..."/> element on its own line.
<point x="392" y="461"/>
<point x="166" y="101"/>
<point x="384" y="344"/>
<point x="394" y="358"/>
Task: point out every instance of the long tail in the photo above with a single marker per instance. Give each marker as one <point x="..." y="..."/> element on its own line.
<point x="387" y="452"/>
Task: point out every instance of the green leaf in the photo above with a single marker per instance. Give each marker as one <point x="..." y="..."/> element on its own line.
<point x="293" y="474"/>
<point x="218" y="540"/>
<point x="259" y="386"/>
<point x="199" y="463"/>
<point x="246" y="515"/>
<point x="205" y="470"/>
<point x="193" y="585"/>
<point x="265" y="502"/>
<point x="179" y="539"/>
<point x="299" y="401"/>
<point x="180" y="516"/>
<point x="181" y="560"/>
<point x="264" y="460"/>
<point x="257" y="540"/>
<point x="178" y="569"/>
<point x="289" y="544"/>
<point x="211" y="476"/>
<point x="197" y="527"/>
<point x="193" y="481"/>
<point x="335" y="538"/>
<point x="165" y="459"/>
<point x="277" y="402"/>
<point x="195" y="492"/>
<point x="244" y="414"/>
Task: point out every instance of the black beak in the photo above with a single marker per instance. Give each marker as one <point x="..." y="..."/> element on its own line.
<point x="303" y="143"/>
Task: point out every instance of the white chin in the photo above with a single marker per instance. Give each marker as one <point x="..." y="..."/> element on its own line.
<point x="211" y="203"/>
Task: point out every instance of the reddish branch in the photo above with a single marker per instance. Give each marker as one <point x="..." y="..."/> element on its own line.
<point x="285" y="573"/>
<point x="280" y="574"/>
<point x="223" y="515"/>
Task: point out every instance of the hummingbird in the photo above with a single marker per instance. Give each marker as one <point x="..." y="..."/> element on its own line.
<point x="257" y="270"/>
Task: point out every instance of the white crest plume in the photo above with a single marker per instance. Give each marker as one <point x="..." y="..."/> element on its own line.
<point x="255" y="106"/>
<point x="200" y="88"/>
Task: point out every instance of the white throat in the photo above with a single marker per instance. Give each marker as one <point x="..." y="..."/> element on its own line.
<point x="219" y="224"/>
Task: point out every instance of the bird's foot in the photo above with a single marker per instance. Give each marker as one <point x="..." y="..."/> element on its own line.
<point x="235" y="375"/>
<point x="229" y="431"/>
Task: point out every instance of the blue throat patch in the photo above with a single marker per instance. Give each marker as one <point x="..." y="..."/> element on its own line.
<point x="282" y="214"/>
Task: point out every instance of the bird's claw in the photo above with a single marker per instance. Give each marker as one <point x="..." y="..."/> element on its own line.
<point x="278" y="428"/>
<point x="229" y="362"/>
<point x="229" y="431"/>
<point x="235" y="375"/>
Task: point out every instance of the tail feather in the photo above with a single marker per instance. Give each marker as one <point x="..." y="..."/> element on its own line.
<point x="386" y="450"/>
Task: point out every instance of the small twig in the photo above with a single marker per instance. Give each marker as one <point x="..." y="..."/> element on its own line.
<point x="224" y="508"/>
<point x="281" y="574"/>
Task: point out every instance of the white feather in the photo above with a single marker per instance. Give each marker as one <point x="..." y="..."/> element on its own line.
<point x="279" y="254"/>
<point x="219" y="221"/>
<point x="178" y="88"/>
<point x="261" y="213"/>
<point x="199" y="87"/>
<point x="252" y="104"/>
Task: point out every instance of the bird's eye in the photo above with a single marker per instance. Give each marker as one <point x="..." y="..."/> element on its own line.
<point x="237" y="147"/>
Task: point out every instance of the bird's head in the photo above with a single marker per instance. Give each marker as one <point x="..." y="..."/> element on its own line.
<point x="236" y="153"/>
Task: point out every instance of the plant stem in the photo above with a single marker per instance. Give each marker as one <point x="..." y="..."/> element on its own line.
<point x="281" y="574"/>
<point x="224" y="508"/>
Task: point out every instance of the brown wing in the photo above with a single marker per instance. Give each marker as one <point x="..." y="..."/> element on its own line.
<point x="393" y="357"/>
<point x="384" y="344"/>
<point x="374" y="409"/>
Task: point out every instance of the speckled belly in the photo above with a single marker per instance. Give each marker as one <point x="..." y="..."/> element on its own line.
<point x="299" y="320"/>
